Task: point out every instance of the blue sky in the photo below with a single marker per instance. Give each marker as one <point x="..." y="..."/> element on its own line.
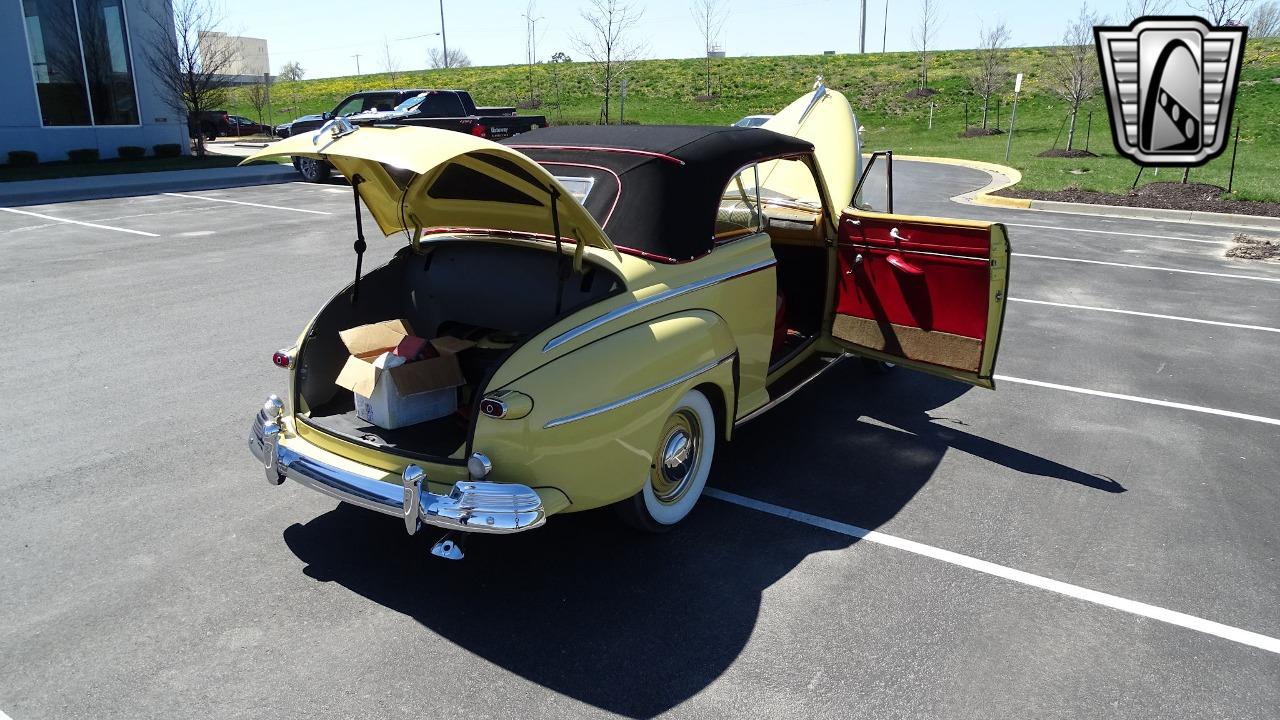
<point x="324" y="34"/>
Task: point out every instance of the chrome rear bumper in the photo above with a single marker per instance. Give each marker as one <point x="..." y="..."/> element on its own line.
<point x="472" y="506"/>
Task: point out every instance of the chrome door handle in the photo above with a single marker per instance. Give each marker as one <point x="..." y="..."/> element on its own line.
<point x="896" y="236"/>
<point x="853" y="222"/>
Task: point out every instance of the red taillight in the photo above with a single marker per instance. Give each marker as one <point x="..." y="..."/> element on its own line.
<point x="479" y="130"/>
<point x="281" y="359"/>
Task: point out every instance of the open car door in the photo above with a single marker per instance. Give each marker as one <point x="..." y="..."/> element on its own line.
<point x="926" y="293"/>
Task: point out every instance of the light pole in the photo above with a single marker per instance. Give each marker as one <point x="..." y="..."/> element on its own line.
<point x="415" y="37"/>
<point x="443" y="40"/>
<point x="862" y="27"/>
<point x="357" y="57"/>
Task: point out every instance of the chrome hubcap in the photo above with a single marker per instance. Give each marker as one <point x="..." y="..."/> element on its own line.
<point x="678" y="455"/>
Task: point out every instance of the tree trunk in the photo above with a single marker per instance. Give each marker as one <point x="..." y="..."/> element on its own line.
<point x="608" y="82"/>
<point x="985" y="103"/>
<point x="1071" y="131"/>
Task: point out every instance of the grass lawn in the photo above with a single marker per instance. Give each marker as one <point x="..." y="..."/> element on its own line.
<point x="666" y="91"/>
<point x="46" y="171"/>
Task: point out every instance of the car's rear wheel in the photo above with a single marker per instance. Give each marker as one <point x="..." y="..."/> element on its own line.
<point x="313" y="170"/>
<point x="679" y="468"/>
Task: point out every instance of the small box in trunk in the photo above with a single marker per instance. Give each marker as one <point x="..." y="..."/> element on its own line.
<point x="408" y="394"/>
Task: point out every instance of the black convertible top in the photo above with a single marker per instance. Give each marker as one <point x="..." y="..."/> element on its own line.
<point x="655" y="189"/>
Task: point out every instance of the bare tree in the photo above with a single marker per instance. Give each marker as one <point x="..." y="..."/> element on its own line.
<point x="1141" y="8"/>
<point x="1265" y="21"/>
<point x="457" y="59"/>
<point x="991" y="73"/>
<point x="390" y="63"/>
<point x="1220" y="12"/>
<point x="193" y="76"/>
<point x="291" y="72"/>
<point x="558" y="59"/>
<point x="1073" y="67"/>
<point x="607" y="44"/>
<point x="256" y="94"/>
<point x="923" y="35"/>
<point x="709" y="16"/>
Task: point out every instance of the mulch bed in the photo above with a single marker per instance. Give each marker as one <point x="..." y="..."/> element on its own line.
<point x="1251" y="248"/>
<point x="919" y="93"/>
<point x="980" y="132"/>
<point x="1067" y="153"/>
<point x="1168" y="195"/>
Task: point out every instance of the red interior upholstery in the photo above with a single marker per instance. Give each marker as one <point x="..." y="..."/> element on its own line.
<point x="949" y="294"/>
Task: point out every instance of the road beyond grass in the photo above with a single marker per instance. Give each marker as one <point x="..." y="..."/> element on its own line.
<point x="668" y="91"/>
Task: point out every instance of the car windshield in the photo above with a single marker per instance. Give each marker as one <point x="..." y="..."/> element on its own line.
<point x="411" y="103"/>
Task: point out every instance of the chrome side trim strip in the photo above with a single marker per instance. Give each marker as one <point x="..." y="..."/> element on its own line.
<point x="798" y="387"/>
<point x="638" y="396"/>
<point x="663" y="296"/>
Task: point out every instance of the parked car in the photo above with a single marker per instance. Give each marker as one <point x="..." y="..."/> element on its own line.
<point x="239" y="125"/>
<point x="208" y="123"/>
<point x="634" y="295"/>
<point x="753" y="121"/>
<point x="444" y="109"/>
<point x="285" y="129"/>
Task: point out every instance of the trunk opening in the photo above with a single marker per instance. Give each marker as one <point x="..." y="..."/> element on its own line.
<point x="495" y="294"/>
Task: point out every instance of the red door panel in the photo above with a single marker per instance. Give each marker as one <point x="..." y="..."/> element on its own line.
<point x="932" y="277"/>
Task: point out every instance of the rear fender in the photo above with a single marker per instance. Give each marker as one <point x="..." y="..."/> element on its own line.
<point x="597" y="411"/>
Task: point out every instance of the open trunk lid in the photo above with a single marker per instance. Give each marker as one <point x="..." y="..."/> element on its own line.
<point x="424" y="178"/>
<point x="824" y="118"/>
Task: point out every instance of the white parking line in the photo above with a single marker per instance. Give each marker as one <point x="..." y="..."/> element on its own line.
<point x="1113" y="232"/>
<point x="1147" y="314"/>
<point x="1191" y="622"/>
<point x="1137" y="399"/>
<point x="1147" y="267"/>
<point x="80" y="222"/>
<point x="241" y="202"/>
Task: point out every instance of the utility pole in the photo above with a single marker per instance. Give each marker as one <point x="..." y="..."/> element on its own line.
<point x="862" y="27"/>
<point x="884" y="40"/>
<point x="357" y="57"/>
<point x="444" y="41"/>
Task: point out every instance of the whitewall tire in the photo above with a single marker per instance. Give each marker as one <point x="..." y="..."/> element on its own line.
<point x="679" y="468"/>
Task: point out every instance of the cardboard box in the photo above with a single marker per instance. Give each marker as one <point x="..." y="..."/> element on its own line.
<point x="405" y="395"/>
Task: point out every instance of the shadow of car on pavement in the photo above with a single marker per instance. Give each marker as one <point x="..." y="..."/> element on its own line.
<point x="637" y="624"/>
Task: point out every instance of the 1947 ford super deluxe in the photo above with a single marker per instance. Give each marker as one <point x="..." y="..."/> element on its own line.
<point x="634" y="294"/>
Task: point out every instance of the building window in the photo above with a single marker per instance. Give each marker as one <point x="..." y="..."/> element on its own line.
<point x="81" y="62"/>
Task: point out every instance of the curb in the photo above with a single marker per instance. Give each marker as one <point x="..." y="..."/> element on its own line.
<point x="94" y="187"/>
<point x="1002" y="176"/>
<point x="1258" y="222"/>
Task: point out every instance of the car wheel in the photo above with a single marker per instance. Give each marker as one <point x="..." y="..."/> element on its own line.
<point x="313" y="170"/>
<point x="877" y="367"/>
<point x="679" y="468"/>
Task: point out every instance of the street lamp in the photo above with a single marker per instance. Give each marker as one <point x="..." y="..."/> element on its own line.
<point x="430" y="34"/>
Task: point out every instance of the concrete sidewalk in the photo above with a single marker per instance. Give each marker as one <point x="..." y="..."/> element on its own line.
<point x="39" y="192"/>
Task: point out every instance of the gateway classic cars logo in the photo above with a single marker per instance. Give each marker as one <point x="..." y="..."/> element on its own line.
<point x="1170" y="84"/>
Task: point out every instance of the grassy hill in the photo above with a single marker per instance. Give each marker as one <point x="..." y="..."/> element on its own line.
<point x="666" y="91"/>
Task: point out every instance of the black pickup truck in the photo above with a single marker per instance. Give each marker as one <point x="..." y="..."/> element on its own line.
<point x="444" y="109"/>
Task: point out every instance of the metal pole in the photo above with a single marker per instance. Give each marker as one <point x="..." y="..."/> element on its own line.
<point x="885" y="40"/>
<point x="1088" y="130"/>
<point x="862" y="26"/>
<point x="1013" y="119"/>
<point x="998" y="114"/>
<point x="1232" y="178"/>
<point x="1136" y="179"/>
<point x="444" y="41"/>
<point x="930" y="114"/>
<point x="357" y="57"/>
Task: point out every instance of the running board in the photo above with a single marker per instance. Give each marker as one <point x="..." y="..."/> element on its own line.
<point x="791" y="383"/>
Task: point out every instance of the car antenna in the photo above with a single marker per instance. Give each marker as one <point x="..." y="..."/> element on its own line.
<point x="360" y="246"/>
<point x="555" y="228"/>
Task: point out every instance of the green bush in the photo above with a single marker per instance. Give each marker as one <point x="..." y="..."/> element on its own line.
<point x="23" y="158"/>
<point x="131" y="152"/>
<point x="83" y="155"/>
<point x="168" y="150"/>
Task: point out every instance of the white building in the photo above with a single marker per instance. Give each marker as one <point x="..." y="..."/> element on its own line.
<point x="248" y="55"/>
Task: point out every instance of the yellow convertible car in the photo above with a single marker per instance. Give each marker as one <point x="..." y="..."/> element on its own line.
<point x="619" y="300"/>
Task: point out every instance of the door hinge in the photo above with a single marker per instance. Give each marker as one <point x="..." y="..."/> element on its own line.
<point x="999" y="295"/>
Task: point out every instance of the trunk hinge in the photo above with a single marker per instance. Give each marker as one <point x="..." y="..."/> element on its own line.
<point x="360" y="246"/>
<point x="561" y="275"/>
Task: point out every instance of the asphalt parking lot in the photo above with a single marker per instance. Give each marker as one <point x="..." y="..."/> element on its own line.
<point x="1096" y="538"/>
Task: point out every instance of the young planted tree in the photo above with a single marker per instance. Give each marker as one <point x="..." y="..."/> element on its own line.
<point x="924" y="34"/>
<point x="193" y="76"/>
<point x="531" y="47"/>
<point x="257" y="95"/>
<point x="1073" y="68"/>
<point x="709" y="16"/>
<point x="457" y="59"/>
<point x="1265" y="21"/>
<point x="607" y="43"/>
<point x="1221" y="12"/>
<point x="390" y="63"/>
<point x="557" y="60"/>
<point x="992" y="72"/>
<point x="291" y="72"/>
